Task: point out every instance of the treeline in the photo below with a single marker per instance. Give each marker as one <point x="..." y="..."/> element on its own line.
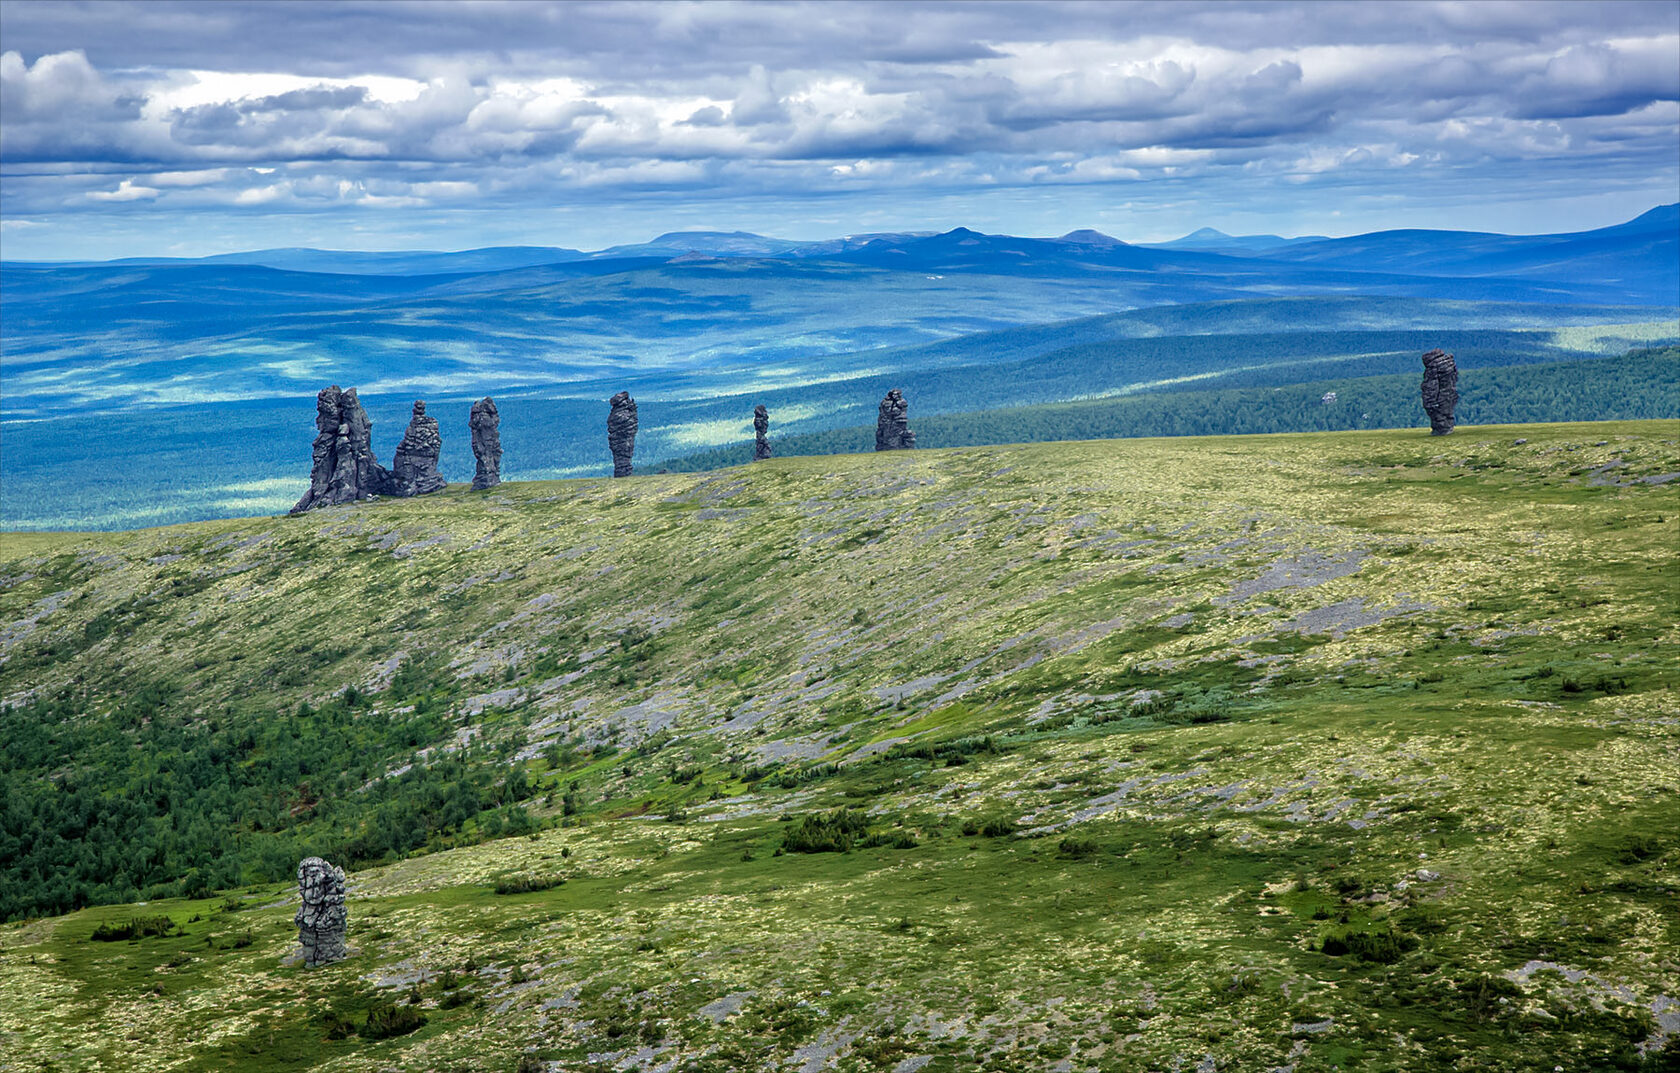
<point x="1643" y="384"/>
<point x="148" y="800"/>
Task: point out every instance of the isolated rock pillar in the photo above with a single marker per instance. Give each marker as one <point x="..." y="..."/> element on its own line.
<point x="415" y="465"/>
<point x="761" y="430"/>
<point x="344" y="469"/>
<point x="892" y="427"/>
<point x="1440" y="390"/>
<point x="486" y="425"/>
<point x="621" y="432"/>
<point x="321" y="918"/>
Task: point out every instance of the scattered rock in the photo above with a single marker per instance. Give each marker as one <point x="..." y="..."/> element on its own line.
<point x="344" y="467"/>
<point x="621" y="432"/>
<point x="761" y="429"/>
<point x="415" y="466"/>
<point x="892" y="427"/>
<point x="1440" y="390"/>
<point x="321" y="920"/>
<point x="486" y="425"/>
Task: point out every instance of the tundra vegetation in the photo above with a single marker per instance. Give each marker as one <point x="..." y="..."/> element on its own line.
<point x="1335" y="750"/>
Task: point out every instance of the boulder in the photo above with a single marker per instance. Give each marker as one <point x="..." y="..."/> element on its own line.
<point x="761" y="430"/>
<point x="486" y="425"/>
<point x="892" y="427"/>
<point x="321" y="918"/>
<point x="415" y="466"/>
<point x="621" y="432"/>
<point x="1440" y="390"/>
<point x="344" y="468"/>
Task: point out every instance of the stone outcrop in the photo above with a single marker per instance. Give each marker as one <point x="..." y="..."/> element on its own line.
<point x="761" y="430"/>
<point x="486" y="425"/>
<point x="892" y="428"/>
<point x="415" y="466"/>
<point x="621" y="432"/>
<point x="321" y="920"/>
<point x="1440" y="390"/>
<point x="344" y="469"/>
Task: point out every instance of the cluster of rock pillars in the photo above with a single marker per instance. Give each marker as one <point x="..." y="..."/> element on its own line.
<point x="345" y="469"/>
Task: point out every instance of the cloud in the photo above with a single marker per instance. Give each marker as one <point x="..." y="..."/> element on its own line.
<point x="125" y="191"/>
<point x="518" y="107"/>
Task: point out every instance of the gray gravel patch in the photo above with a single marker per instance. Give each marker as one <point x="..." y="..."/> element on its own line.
<point x="1306" y="570"/>
<point x="720" y="1009"/>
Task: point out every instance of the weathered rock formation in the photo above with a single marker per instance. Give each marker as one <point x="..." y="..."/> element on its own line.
<point x="321" y="920"/>
<point x="415" y="466"/>
<point x="761" y="430"/>
<point x="345" y="469"/>
<point x="621" y="432"/>
<point x="892" y="428"/>
<point x="486" y="425"/>
<point x="1440" y="390"/>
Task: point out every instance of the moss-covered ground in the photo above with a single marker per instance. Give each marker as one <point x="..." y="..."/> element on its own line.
<point x="1351" y="751"/>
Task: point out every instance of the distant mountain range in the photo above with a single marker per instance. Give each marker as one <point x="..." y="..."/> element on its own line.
<point x="1640" y="257"/>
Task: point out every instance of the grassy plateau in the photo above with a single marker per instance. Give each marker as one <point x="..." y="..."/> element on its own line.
<point x="1343" y="750"/>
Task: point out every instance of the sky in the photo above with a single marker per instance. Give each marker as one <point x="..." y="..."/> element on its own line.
<point x="143" y="128"/>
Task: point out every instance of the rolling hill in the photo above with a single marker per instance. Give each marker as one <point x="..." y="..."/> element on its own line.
<point x="1330" y="750"/>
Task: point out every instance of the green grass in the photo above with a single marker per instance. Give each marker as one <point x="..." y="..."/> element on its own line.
<point x="995" y="757"/>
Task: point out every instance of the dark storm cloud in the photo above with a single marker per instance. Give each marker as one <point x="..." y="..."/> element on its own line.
<point x="307" y="107"/>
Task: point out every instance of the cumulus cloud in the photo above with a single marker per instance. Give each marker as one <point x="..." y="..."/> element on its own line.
<point x="506" y="106"/>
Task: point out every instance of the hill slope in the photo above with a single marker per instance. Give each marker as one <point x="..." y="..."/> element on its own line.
<point x="1314" y="750"/>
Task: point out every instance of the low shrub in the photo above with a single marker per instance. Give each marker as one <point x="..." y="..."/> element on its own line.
<point x="386" y="1020"/>
<point x="834" y="832"/>
<point x="133" y="928"/>
<point x="1077" y="848"/>
<point x="1382" y="947"/>
<point x="527" y="884"/>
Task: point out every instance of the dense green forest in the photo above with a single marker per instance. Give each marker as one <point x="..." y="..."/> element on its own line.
<point x="1640" y="385"/>
<point x="153" y="801"/>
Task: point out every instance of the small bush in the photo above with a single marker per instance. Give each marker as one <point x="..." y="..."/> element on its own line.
<point x="386" y="1020"/>
<point x="133" y="928"/>
<point x="835" y="832"/>
<point x="1077" y="848"/>
<point x="997" y="827"/>
<point x="1482" y="994"/>
<point x="1382" y="947"/>
<point x="1634" y="850"/>
<point x="527" y="884"/>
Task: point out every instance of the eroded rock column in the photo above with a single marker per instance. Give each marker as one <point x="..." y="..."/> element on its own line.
<point x="892" y="427"/>
<point x="321" y="918"/>
<point x="415" y="466"/>
<point x="621" y="432"/>
<point x="344" y="468"/>
<point x="486" y="424"/>
<point x="1440" y="391"/>
<point x="761" y="430"/>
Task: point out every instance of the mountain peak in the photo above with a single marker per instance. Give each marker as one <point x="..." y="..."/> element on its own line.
<point x="1086" y="236"/>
